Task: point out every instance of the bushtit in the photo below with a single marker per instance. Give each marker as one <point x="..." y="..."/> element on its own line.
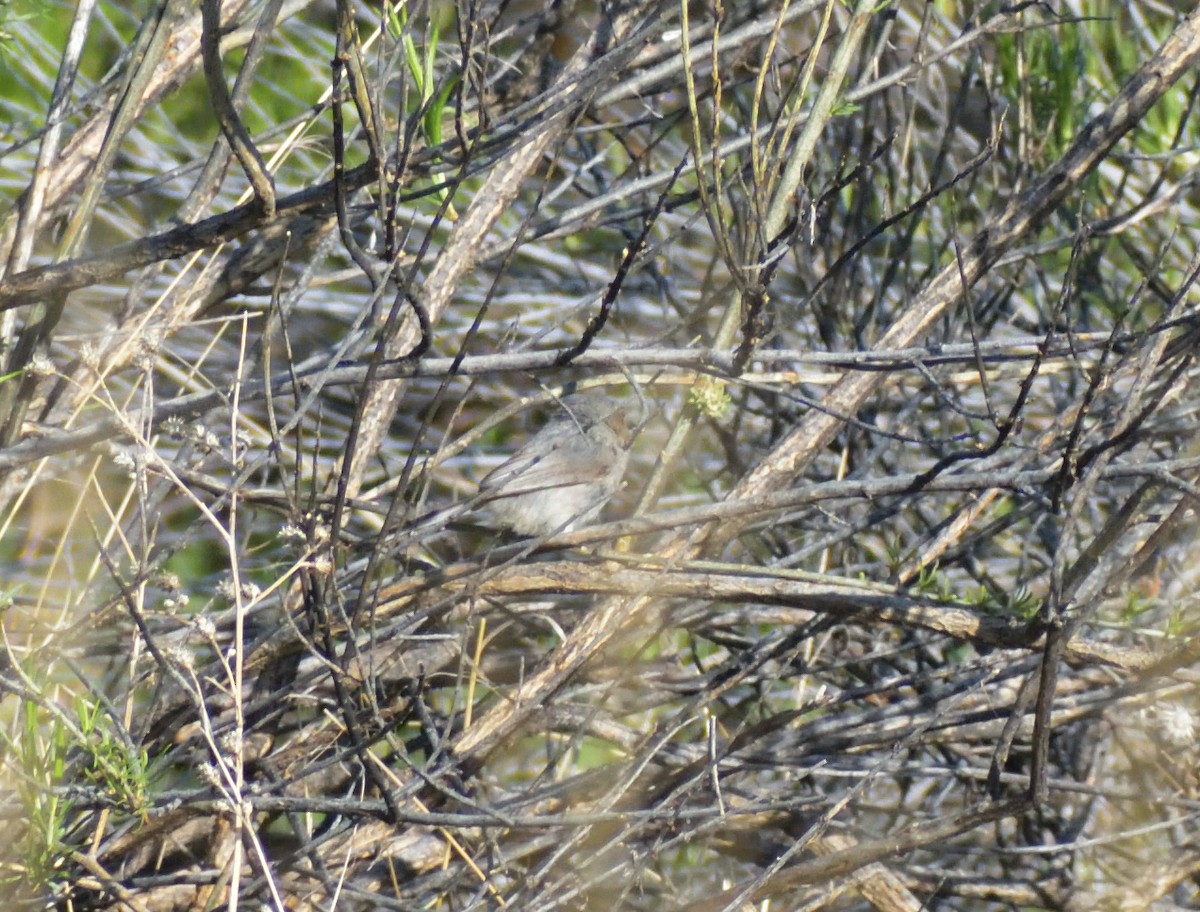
<point x="565" y="473"/>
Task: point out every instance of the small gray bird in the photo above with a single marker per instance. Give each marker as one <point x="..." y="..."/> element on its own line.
<point x="565" y="473"/>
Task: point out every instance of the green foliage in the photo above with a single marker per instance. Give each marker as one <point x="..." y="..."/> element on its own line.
<point x="49" y="750"/>
<point x="1177" y="623"/>
<point x="931" y="582"/>
<point x="893" y="554"/>
<point x="1136" y="605"/>
<point x="1020" y="603"/>
<point x="432" y="98"/>
<point x="38" y="756"/>
<point x="7" y="16"/>
<point x="120" y="770"/>
<point x="1048" y="66"/>
<point x="595" y="753"/>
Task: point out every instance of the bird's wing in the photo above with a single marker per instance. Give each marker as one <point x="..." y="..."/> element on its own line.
<point x="553" y="464"/>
